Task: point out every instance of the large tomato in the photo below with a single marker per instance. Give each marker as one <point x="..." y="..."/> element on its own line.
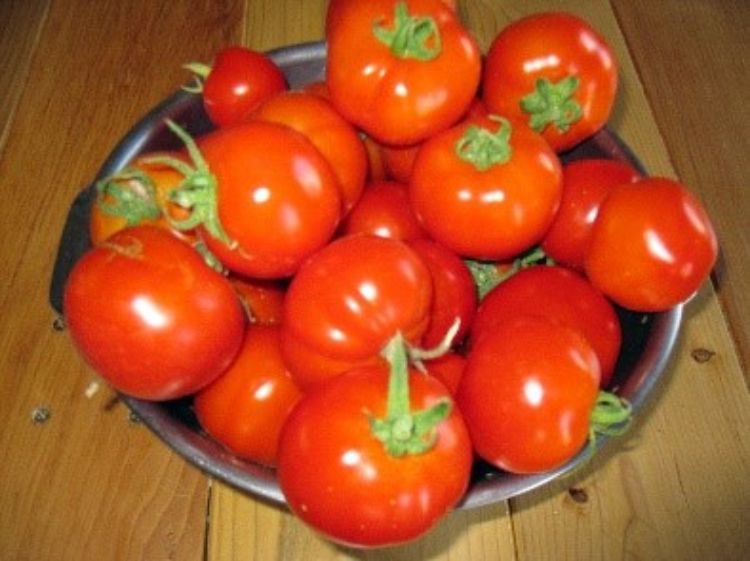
<point x="554" y="72"/>
<point x="652" y="245"/>
<point x="487" y="190"/>
<point x="150" y="316"/>
<point x="559" y="295"/>
<point x="401" y="70"/>
<point x="245" y="408"/>
<point x="527" y="394"/>
<point x="336" y="138"/>
<point x="348" y="300"/>
<point x="586" y="184"/>
<point x="380" y="478"/>
<point x="237" y="83"/>
<point x="264" y="197"/>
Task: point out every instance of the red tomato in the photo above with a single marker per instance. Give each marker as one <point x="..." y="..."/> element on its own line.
<point x="398" y="161"/>
<point x="264" y="196"/>
<point x="263" y="299"/>
<point x="138" y="194"/>
<point x="376" y="167"/>
<point x="150" y="316"/>
<point x="448" y="368"/>
<point x="554" y="72"/>
<point x="454" y="292"/>
<point x="527" y="394"/>
<point x="559" y="295"/>
<point x="348" y="300"/>
<point x="586" y="184"/>
<point x="360" y="493"/>
<point x="384" y="210"/>
<point x="245" y="408"/>
<point x="329" y="132"/>
<point x="652" y="245"/>
<point x="239" y="81"/>
<point x="499" y="189"/>
<point x="401" y="71"/>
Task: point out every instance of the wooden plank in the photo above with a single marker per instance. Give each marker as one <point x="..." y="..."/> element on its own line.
<point x="87" y="483"/>
<point x="673" y="489"/>
<point x="699" y="100"/>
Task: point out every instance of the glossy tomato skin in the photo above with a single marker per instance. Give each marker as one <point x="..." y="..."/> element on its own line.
<point x="245" y="408"/>
<point x="586" y="184"/>
<point x="239" y="81"/>
<point x="448" y="368"/>
<point x="358" y="494"/>
<point x="397" y="100"/>
<point x="278" y="198"/>
<point x="150" y="316"/>
<point x="652" y="245"/>
<point x="348" y="300"/>
<point x="263" y="300"/>
<point x="559" y="295"/>
<point x="329" y="132"/>
<point x="454" y="292"/>
<point x="384" y="210"/>
<point x="552" y="45"/>
<point x="491" y="214"/>
<point x="527" y="393"/>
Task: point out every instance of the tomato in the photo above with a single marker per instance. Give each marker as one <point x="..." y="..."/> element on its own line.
<point x="333" y="12"/>
<point x="586" y="184"/>
<point x="137" y="194"/>
<point x="347" y="301"/>
<point x="376" y="167"/>
<point x="499" y="188"/>
<point x="264" y="197"/>
<point x="454" y="292"/>
<point x="263" y="299"/>
<point x="384" y="210"/>
<point x="237" y="83"/>
<point x="398" y="161"/>
<point x="245" y="408"/>
<point x="401" y="71"/>
<point x="371" y="485"/>
<point x="527" y="394"/>
<point x="448" y="368"/>
<point x="554" y="72"/>
<point x="150" y="316"/>
<point x="652" y="245"/>
<point x="329" y="132"/>
<point x="560" y="295"/>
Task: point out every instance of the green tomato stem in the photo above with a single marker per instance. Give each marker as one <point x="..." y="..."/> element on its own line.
<point x="553" y="104"/>
<point x="416" y="37"/>
<point x="402" y="431"/>
<point x="483" y="148"/>
<point x="611" y="416"/>
<point x="200" y="73"/>
<point x="129" y="194"/>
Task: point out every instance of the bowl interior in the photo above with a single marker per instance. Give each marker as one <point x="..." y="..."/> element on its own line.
<point x="647" y="338"/>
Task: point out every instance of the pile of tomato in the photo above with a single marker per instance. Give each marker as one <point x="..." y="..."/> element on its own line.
<point x="369" y="282"/>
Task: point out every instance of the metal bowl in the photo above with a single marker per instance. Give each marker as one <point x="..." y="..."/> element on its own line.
<point x="648" y="339"/>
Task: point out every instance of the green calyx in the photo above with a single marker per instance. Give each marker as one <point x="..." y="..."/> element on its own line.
<point x="129" y="194"/>
<point x="553" y="104"/>
<point x="484" y="148"/>
<point x="200" y="73"/>
<point x="197" y="192"/>
<point x="416" y="37"/>
<point x="488" y="275"/>
<point x="611" y="416"/>
<point x="403" y="431"/>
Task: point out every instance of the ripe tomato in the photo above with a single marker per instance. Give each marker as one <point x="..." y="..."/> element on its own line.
<point x="586" y="184"/>
<point x="527" y="394"/>
<point x="559" y="295"/>
<point x="239" y="81"/>
<point x="498" y="190"/>
<point x="448" y="368"/>
<point x="401" y="71"/>
<point x="150" y="316"/>
<point x="652" y="245"/>
<point x="264" y="197"/>
<point x="454" y="292"/>
<point x="263" y="299"/>
<point x="384" y="210"/>
<point x="398" y="161"/>
<point x="245" y="408"/>
<point x="329" y="132"/>
<point x="554" y="72"/>
<point x="368" y="489"/>
<point x="138" y="194"/>
<point x="347" y="301"/>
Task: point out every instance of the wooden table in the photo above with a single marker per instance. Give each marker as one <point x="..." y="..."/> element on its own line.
<point x="88" y="483"/>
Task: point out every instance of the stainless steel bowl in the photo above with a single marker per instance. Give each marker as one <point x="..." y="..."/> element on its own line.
<point x="647" y="345"/>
